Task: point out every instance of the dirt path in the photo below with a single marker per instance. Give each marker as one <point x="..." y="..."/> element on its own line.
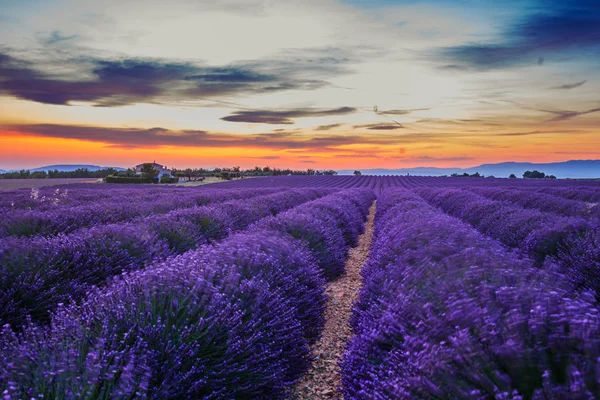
<point x="323" y="378"/>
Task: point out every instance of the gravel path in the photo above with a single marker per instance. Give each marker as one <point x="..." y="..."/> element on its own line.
<point x="323" y="380"/>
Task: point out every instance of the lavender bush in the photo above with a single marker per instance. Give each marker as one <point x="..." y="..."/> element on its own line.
<point x="39" y="273"/>
<point x="448" y="313"/>
<point x="230" y="320"/>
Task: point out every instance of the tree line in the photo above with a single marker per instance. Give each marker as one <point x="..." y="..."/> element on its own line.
<point x="526" y="175"/>
<point x="78" y="173"/>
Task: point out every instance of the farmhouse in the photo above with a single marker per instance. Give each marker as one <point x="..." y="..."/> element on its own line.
<point x="162" y="170"/>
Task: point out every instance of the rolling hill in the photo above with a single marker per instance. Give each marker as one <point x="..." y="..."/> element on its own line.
<point x="566" y="169"/>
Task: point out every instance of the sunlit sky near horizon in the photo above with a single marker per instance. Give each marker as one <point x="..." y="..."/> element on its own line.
<point x="207" y="83"/>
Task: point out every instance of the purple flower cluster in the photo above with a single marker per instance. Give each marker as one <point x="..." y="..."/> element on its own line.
<point x="37" y="274"/>
<point x="447" y="313"/>
<point x="380" y="184"/>
<point x="580" y="193"/>
<point x="541" y="235"/>
<point x="327" y="226"/>
<point x="85" y="212"/>
<point x="229" y="320"/>
<point x="540" y="201"/>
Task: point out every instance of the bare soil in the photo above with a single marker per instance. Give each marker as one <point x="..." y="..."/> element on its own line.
<point x="323" y="379"/>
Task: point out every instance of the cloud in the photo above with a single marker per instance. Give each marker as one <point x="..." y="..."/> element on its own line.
<point x="131" y="138"/>
<point x="442" y="121"/>
<point x="284" y="117"/>
<point x="327" y="127"/>
<point x="308" y="161"/>
<point x="113" y="83"/>
<point x="558" y="26"/>
<point x="530" y="133"/>
<point x="56" y="37"/>
<point x="569" y="85"/>
<point x="401" y="112"/>
<point x="563" y="115"/>
<point x="380" y="127"/>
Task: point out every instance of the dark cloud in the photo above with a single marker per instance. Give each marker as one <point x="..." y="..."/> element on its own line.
<point x="380" y="127"/>
<point x="130" y="138"/>
<point x="111" y="83"/>
<point x="284" y="117"/>
<point x="549" y="27"/>
<point x="401" y="112"/>
<point x="327" y="127"/>
<point x="454" y="67"/>
<point x="569" y="85"/>
<point x="563" y="115"/>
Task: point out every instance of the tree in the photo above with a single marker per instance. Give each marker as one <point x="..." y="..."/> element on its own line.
<point x="512" y="176"/>
<point x="534" y="175"/>
<point x="148" y="171"/>
<point x="357" y="172"/>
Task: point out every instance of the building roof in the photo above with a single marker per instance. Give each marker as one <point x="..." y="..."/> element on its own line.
<point x="153" y="164"/>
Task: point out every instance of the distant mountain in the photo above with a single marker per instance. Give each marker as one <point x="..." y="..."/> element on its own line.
<point x="2" y="171"/>
<point x="71" y="167"/>
<point x="566" y="169"/>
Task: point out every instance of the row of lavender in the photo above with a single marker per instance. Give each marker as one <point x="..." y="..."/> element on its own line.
<point x="116" y="205"/>
<point x="88" y="211"/>
<point x="447" y="313"/>
<point x="50" y="197"/>
<point x="39" y="273"/>
<point x="571" y="242"/>
<point x="229" y="320"/>
<point x="541" y="201"/>
<point x="381" y="183"/>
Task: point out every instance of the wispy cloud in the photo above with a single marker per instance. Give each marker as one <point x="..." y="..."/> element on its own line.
<point x="400" y="112"/>
<point x="327" y="127"/>
<point x="284" y="117"/>
<point x="569" y="85"/>
<point x="564" y="115"/>
<point x="539" y="132"/>
<point x="380" y="127"/>
<point x="130" y="138"/>
<point x="56" y="37"/>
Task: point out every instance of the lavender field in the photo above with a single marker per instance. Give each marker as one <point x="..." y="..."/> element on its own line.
<point x="466" y="288"/>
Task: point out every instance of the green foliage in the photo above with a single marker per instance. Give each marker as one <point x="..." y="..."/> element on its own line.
<point x="357" y="172"/>
<point x="465" y="175"/>
<point x="537" y="175"/>
<point x="78" y="173"/>
<point x="168" y="179"/>
<point x="129" y="179"/>
<point x="512" y="176"/>
<point x="148" y="170"/>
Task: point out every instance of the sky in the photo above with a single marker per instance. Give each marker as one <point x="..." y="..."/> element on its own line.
<point x="298" y="84"/>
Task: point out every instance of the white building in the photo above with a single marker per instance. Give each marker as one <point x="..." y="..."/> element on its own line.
<point x="162" y="170"/>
